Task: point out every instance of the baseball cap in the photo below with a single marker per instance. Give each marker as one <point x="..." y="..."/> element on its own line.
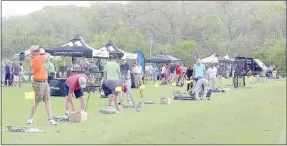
<point x="82" y="82"/>
<point x="35" y="48"/>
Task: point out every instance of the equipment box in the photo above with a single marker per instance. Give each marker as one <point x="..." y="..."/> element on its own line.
<point x="165" y="100"/>
<point x="78" y="117"/>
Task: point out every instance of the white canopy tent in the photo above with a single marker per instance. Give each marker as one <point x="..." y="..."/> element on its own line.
<point x="261" y="64"/>
<point x="228" y="58"/>
<point x="210" y="59"/>
<point x="129" y="55"/>
<point x="110" y="47"/>
<point x="100" y="53"/>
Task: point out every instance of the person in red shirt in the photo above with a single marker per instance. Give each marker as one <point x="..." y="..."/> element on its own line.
<point x="74" y="85"/>
<point x="177" y="72"/>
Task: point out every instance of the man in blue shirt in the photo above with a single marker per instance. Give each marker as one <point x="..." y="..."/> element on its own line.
<point x="7" y="73"/>
<point x="198" y="69"/>
<point x="172" y="72"/>
<point x="201" y="82"/>
<point x="154" y="73"/>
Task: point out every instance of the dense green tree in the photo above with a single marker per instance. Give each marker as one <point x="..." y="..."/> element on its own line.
<point x="251" y="28"/>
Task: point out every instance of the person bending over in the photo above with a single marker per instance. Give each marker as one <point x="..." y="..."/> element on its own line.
<point x="74" y="85"/>
<point x="201" y="82"/>
<point x="109" y="87"/>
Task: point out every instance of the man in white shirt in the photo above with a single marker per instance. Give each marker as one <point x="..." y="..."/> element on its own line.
<point x="211" y="73"/>
<point x="137" y="74"/>
<point x="163" y="70"/>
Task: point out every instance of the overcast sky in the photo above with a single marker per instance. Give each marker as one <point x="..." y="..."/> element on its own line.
<point x="16" y="8"/>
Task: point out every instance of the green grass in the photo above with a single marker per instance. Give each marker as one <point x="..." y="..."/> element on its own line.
<point x="242" y="116"/>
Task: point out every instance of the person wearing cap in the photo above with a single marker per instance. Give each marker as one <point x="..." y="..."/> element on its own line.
<point x="199" y="76"/>
<point x="40" y="84"/>
<point x="109" y="87"/>
<point x="125" y="71"/>
<point x="74" y="85"/>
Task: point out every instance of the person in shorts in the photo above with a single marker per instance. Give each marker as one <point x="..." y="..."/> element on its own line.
<point x="16" y="74"/>
<point x="40" y="82"/>
<point x="74" y="85"/>
<point x="125" y="71"/>
<point x="7" y="73"/>
<point x="109" y="87"/>
<point x="172" y="72"/>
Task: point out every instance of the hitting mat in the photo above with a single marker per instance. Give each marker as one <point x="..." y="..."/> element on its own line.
<point x="128" y="106"/>
<point x="108" y="111"/>
<point x="149" y="102"/>
<point x="189" y="95"/>
<point x="219" y="90"/>
<point x="61" y="118"/>
<point x="23" y="129"/>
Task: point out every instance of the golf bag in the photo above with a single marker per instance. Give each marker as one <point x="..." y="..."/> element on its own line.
<point x="180" y="81"/>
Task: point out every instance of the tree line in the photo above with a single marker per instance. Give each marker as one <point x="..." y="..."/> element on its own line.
<point x="251" y="28"/>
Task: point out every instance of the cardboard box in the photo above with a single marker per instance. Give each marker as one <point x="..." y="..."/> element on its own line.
<point x="165" y="100"/>
<point x="78" y="117"/>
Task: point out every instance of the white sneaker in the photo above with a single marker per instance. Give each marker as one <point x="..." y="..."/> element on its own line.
<point x="117" y="112"/>
<point x="30" y="121"/>
<point x="52" y="121"/>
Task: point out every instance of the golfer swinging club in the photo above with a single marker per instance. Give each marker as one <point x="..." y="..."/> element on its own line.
<point x="201" y="82"/>
<point x="40" y="84"/>
<point x="74" y="84"/>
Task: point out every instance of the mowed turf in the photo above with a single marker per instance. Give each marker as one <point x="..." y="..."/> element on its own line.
<point x="240" y="116"/>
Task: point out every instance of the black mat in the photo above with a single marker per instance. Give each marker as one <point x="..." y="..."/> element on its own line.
<point x="218" y="91"/>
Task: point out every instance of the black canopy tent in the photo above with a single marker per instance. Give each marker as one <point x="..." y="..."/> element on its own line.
<point x="113" y="50"/>
<point x="162" y="58"/>
<point x="76" y="47"/>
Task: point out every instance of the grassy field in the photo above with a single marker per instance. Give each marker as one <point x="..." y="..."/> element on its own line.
<point x="240" y="116"/>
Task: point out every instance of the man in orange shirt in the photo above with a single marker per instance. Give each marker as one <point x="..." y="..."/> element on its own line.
<point x="40" y="82"/>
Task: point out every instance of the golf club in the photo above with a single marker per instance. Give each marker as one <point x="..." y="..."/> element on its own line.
<point x="89" y="90"/>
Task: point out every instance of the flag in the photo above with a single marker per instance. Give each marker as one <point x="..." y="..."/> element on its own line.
<point x="30" y="95"/>
<point x="141" y="59"/>
<point x="119" y="89"/>
<point x="156" y="85"/>
<point x="142" y="87"/>
<point x="194" y="56"/>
